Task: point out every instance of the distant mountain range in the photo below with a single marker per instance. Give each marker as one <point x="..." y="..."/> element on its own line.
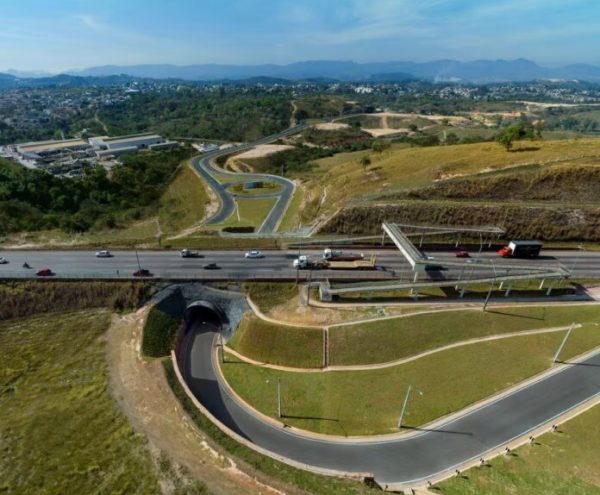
<point x="478" y="71"/>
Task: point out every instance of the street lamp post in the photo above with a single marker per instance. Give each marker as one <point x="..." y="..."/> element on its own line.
<point x="579" y="249"/>
<point x="138" y="260"/>
<point x="562" y="344"/>
<point x="491" y="286"/>
<point x="279" y="397"/>
<point x="405" y="404"/>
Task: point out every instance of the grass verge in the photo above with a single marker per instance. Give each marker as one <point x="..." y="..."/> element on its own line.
<point x="183" y="204"/>
<point x="61" y="430"/>
<point x="386" y="340"/>
<point x="368" y="402"/>
<point x="276" y="344"/>
<point x="253" y="212"/>
<point x="304" y="480"/>
<point x="291" y="219"/>
<point x="559" y="463"/>
<point x="267" y="295"/>
<point x="160" y="333"/>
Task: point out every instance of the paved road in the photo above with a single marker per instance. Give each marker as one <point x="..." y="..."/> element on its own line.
<point x="205" y="167"/>
<point x="409" y="461"/>
<point x="275" y="265"/>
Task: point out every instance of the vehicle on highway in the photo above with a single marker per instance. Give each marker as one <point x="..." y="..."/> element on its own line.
<point x="211" y="266"/>
<point x="186" y="253"/>
<point x="105" y="253"/>
<point x="254" y="254"/>
<point x="521" y="249"/>
<point x="333" y="255"/>
<point x="462" y="254"/>
<point x="3" y="260"/>
<point x="142" y="272"/>
<point x="304" y="262"/>
<point x="475" y="260"/>
<point x="26" y="265"/>
<point x="44" y="272"/>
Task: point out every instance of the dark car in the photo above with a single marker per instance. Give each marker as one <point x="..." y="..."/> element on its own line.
<point x="142" y="272"/>
<point x="462" y="254"/>
<point x="44" y="272"/>
<point x="211" y="266"/>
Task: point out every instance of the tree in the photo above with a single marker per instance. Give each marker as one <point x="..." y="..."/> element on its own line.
<point x="413" y="127"/>
<point x="365" y="161"/>
<point x="451" y="138"/>
<point x="515" y="132"/>
<point x="379" y="146"/>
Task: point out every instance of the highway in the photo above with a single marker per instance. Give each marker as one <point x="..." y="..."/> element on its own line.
<point x="406" y="461"/>
<point x="276" y="264"/>
<point x="204" y="165"/>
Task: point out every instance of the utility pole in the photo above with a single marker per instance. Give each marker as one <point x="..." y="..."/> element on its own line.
<point x="308" y="288"/>
<point x="562" y="344"/>
<point x="491" y="287"/>
<point x="138" y="260"/>
<point x="279" y="397"/>
<point x="405" y="404"/>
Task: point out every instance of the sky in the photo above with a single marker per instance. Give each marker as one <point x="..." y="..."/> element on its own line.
<point x="61" y="35"/>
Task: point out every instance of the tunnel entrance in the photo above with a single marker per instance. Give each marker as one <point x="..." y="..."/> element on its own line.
<point x="206" y="311"/>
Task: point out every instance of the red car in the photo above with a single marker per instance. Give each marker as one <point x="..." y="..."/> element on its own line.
<point x="462" y="254"/>
<point x="44" y="272"/>
<point x="142" y="273"/>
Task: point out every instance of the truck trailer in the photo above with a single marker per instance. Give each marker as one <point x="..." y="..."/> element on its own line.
<point x="304" y="262"/>
<point x="521" y="249"/>
<point x="333" y="255"/>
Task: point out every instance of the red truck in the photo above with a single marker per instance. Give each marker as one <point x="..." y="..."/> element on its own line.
<point x="521" y="249"/>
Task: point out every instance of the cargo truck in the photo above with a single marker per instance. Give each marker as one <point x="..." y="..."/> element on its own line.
<point x="521" y="249"/>
<point x="332" y="255"/>
<point x="303" y="262"/>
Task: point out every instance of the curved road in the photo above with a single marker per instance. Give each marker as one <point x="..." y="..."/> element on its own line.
<point x="204" y="165"/>
<point x="401" y="461"/>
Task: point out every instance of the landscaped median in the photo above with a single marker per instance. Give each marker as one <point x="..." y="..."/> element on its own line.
<point x="260" y="340"/>
<point x="369" y="402"/>
<point x="390" y="339"/>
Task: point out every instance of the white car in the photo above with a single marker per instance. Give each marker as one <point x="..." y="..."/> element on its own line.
<point x="105" y="253"/>
<point x="254" y="254"/>
<point x="3" y="260"/>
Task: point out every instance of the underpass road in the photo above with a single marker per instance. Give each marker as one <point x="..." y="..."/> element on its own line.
<point x="411" y="460"/>
<point x="275" y="264"/>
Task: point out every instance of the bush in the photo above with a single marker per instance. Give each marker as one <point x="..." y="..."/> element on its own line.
<point x="160" y="333"/>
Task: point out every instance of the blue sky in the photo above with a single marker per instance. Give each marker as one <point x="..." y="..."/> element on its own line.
<point x="59" y="35"/>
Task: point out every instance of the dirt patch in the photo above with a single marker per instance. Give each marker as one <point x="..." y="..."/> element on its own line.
<point x="142" y="392"/>
<point x="263" y="150"/>
<point x="331" y="126"/>
<point x="385" y="132"/>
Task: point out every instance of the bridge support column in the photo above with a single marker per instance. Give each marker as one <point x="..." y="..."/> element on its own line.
<point x="462" y="293"/>
<point x="501" y="286"/>
<point x="542" y="283"/>
<point x="416" y="277"/>
<point x="549" y="291"/>
<point x="508" y="289"/>
<point x="414" y="293"/>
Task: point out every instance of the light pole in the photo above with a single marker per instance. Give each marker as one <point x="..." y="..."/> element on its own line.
<point x="404" y="405"/>
<point x="491" y="286"/>
<point x="138" y="260"/>
<point x="279" y="397"/>
<point x="564" y="341"/>
<point x="579" y="249"/>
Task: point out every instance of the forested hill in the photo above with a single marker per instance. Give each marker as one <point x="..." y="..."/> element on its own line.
<point x="35" y="200"/>
<point x="186" y="113"/>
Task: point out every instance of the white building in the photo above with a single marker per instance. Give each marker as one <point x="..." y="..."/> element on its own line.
<point x="107" y="146"/>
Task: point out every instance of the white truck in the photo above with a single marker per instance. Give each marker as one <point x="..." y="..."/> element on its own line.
<point x="304" y="262"/>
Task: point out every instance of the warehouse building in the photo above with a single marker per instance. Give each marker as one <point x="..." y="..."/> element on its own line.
<point x="114" y="146"/>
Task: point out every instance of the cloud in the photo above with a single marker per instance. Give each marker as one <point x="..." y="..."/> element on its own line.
<point x="91" y="22"/>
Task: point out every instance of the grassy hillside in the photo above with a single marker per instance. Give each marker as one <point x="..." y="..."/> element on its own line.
<point x="183" y="203"/>
<point x="61" y="430"/>
<point x="344" y="180"/>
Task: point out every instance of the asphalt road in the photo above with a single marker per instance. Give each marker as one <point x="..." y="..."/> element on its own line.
<point x="275" y="265"/>
<point x="204" y="165"/>
<point x="410" y="460"/>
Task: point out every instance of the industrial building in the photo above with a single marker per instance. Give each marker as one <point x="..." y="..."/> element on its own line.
<point x="107" y="146"/>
